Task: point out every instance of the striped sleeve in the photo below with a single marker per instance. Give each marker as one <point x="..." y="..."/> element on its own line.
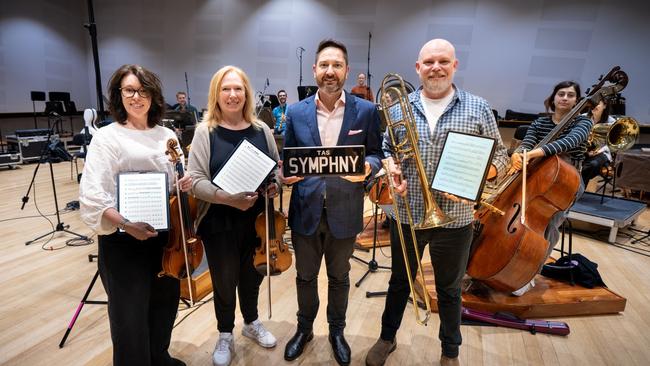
<point x="576" y="134"/>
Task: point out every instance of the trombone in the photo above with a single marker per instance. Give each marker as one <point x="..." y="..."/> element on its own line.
<point x="393" y="100"/>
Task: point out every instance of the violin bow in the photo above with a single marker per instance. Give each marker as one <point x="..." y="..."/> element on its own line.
<point x="268" y="247"/>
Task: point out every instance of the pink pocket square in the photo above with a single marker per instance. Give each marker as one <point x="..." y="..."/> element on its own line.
<point x="354" y="132"/>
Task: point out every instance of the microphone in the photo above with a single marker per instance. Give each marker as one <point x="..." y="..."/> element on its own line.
<point x="302" y="49"/>
<point x="267" y="81"/>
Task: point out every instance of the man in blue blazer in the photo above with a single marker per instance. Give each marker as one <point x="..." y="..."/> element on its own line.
<point x="326" y="213"/>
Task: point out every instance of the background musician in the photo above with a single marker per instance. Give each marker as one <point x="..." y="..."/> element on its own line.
<point x="182" y="105"/>
<point x="596" y="157"/>
<point x="226" y="222"/>
<point x="438" y="107"/>
<point x="141" y="305"/>
<point x="326" y="213"/>
<point x="280" y="112"/>
<point x="361" y="89"/>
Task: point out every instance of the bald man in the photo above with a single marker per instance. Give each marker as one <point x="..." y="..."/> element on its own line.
<point x="361" y="89"/>
<point x="438" y="107"/>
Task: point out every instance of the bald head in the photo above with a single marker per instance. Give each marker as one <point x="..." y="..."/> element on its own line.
<point x="436" y="66"/>
<point x="437" y="45"/>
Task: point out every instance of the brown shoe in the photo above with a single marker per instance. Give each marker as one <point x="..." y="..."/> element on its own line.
<point x="448" y="361"/>
<point x="379" y="352"/>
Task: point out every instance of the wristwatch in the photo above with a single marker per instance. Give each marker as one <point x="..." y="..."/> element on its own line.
<point x="122" y="224"/>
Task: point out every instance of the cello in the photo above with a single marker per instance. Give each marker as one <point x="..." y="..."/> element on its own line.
<point x="184" y="249"/>
<point x="508" y="252"/>
<point x="272" y="256"/>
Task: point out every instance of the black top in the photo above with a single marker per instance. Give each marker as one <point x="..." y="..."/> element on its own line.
<point x="220" y="218"/>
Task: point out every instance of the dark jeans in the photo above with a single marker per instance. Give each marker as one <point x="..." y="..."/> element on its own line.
<point x="230" y="259"/>
<point x="449" y="251"/>
<point x="141" y="306"/>
<point x="309" y="251"/>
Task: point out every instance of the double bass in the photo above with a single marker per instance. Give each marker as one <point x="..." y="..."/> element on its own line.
<point x="508" y="252"/>
<point x="184" y="249"/>
<point x="272" y="256"/>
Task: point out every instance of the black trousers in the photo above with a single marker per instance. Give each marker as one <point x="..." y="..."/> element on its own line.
<point x="141" y="306"/>
<point x="591" y="167"/>
<point x="230" y="259"/>
<point x="309" y="251"/>
<point x="449" y="251"/>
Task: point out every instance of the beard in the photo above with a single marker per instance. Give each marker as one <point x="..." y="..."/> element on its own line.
<point x="330" y="85"/>
<point x="436" y="86"/>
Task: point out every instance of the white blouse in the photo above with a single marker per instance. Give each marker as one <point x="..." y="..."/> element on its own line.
<point x="115" y="149"/>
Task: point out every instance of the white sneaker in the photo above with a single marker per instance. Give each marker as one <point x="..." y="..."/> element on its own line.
<point x="259" y="334"/>
<point x="224" y="349"/>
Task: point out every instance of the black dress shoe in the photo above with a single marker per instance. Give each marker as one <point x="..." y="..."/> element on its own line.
<point x="341" y="349"/>
<point x="296" y="344"/>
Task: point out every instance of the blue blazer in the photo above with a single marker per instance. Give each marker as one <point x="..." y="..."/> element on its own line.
<point x="344" y="198"/>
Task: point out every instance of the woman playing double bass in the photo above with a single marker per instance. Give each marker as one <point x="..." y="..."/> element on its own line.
<point x="572" y="142"/>
<point x="226" y="222"/>
<point x="141" y="305"/>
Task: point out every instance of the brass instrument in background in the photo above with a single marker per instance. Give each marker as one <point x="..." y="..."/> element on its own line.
<point x="391" y="98"/>
<point x="618" y="135"/>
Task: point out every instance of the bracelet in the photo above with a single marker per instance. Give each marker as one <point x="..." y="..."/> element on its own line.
<point x="122" y="224"/>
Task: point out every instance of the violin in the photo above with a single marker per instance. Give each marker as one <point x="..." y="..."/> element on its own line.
<point x="273" y="252"/>
<point x="184" y="249"/>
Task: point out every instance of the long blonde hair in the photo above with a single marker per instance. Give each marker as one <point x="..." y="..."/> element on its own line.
<point x="214" y="114"/>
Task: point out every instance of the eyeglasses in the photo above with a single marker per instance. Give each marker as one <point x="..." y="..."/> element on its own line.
<point x="130" y="93"/>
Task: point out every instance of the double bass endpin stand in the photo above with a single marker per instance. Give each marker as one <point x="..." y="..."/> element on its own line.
<point x="567" y="224"/>
<point x="83" y="301"/>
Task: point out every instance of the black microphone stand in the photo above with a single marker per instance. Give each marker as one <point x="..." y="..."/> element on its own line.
<point x="46" y="155"/>
<point x="189" y="99"/>
<point x="369" y="76"/>
<point x="301" y="50"/>
<point x="373" y="266"/>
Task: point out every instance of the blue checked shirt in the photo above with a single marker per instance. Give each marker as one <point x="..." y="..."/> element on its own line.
<point x="465" y="113"/>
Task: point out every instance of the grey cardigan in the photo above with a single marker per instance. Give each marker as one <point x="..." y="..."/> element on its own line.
<point x="199" y="166"/>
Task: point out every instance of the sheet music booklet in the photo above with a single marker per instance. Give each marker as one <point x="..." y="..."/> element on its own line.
<point x="144" y="197"/>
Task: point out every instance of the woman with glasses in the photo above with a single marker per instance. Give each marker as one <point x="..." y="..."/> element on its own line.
<point x="226" y="222"/>
<point x="141" y="306"/>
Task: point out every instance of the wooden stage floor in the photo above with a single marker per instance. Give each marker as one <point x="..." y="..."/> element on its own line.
<point x="42" y="284"/>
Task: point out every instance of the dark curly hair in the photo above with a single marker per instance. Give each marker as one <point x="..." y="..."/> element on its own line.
<point x="150" y="82"/>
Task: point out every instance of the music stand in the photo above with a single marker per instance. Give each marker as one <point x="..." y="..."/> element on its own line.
<point x="272" y="99"/>
<point x="181" y="119"/>
<point x="36" y="96"/>
<point x="306" y="91"/>
<point x="372" y="264"/>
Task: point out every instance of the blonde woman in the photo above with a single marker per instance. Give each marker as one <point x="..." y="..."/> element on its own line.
<point x="226" y="222"/>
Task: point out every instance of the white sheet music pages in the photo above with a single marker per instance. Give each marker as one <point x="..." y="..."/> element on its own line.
<point x="245" y="170"/>
<point x="143" y="197"/>
<point x="464" y="165"/>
